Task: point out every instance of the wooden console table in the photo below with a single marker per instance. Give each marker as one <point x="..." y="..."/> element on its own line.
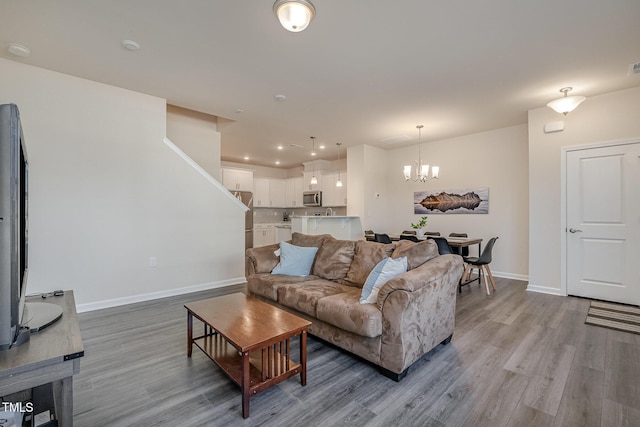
<point x="249" y="340"/>
<point x="51" y="356"/>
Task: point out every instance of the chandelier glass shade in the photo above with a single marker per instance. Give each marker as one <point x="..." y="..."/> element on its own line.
<point x="422" y="170"/>
<point x="566" y="104"/>
<point x="294" y="15"/>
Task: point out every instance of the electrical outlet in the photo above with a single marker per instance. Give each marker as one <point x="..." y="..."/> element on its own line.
<point x="153" y="261"/>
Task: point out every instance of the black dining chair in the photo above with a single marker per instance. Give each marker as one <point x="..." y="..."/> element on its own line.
<point x="460" y="251"/>
<point x="382" y="238"/>
<point x="443" y="245"/>
<point x="480" y="263"/>
<point x="409" y="237"/>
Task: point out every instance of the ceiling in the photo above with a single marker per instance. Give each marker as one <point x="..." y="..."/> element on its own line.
<point x="364" y="72"/>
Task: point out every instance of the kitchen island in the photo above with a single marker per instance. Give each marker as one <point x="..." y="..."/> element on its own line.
<point x="340" y="227"/>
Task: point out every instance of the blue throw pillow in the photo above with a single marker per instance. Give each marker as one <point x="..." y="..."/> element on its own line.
<point x="384" y="271"/>
<point x="295" y="260"/>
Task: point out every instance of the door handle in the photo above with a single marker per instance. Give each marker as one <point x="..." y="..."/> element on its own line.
<point x="574" y="230"/>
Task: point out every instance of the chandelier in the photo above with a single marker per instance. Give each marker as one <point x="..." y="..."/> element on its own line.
<point x="422" y="171"/>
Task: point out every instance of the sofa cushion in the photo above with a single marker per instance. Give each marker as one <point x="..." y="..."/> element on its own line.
<point x="304" y="297"/>
<point x="334" y="259"/>
<point x="390" y="268"/>
<point x="367" y="255"/>
<point x="345" y="312"/>
<point x="416" y="253"/>
<point x="295" y="260"/>
<point x="266" y="284"/>
<point x="309" y="240"/>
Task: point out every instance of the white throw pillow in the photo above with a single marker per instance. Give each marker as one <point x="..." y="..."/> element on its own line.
<point x="295" y="260"/>
<point x="384" y="271"/>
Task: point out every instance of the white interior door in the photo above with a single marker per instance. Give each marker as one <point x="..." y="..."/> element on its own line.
<point x="603" y="223"/>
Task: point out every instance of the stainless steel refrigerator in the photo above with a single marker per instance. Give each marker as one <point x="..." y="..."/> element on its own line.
<point x="246" y="197"/>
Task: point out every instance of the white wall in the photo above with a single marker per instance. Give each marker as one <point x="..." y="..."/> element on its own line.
<point x="196" y="134"/>
<point x="106" y="194"/>
<point x="603" y="118"/>
<point x="496" y="159"/>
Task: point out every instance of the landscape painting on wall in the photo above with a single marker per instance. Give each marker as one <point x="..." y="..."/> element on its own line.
<point x="464" y="201"/>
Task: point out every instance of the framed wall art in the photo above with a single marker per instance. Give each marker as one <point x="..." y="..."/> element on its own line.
<point x="458" y="201"/>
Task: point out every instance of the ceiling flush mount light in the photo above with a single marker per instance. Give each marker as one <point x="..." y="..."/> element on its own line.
<point x="294" y="15"/>
<point x="314" y="180"/>
<point x="130" y="45"/>
<point x="19" y="50"/>
<point x="339" y="181"/>
<point x="422" y="171"/>
<point x="566" y="104"/>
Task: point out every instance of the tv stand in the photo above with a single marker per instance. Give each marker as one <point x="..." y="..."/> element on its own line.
<point x="52" y="356"/>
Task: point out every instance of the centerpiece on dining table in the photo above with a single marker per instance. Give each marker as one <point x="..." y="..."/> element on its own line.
<point x="419" y="226"/>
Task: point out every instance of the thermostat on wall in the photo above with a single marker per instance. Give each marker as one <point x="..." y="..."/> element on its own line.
<point x="554" y="127"/>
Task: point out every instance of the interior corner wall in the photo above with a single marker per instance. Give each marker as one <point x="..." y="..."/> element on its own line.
<point x="106" y="194"/>
<point x="603" y="118"/>
<point x="196" y="134"/>
<point x="496" y="159"/>
<point x="367" y="187"/>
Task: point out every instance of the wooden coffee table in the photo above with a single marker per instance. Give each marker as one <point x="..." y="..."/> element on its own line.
<point x="249" y="340"/>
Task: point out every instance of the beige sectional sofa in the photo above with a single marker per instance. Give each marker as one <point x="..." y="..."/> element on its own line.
<point x="414" y="311"/>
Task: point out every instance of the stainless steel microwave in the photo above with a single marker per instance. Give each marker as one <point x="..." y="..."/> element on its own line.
<point x="312" y="198"/>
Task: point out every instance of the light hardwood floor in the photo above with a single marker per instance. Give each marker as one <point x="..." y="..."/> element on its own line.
<point x="516" y="359"/>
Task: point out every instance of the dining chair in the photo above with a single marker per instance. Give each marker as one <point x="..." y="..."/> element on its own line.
<point x="409" y="237"/>
<point x="480" y="263"/>
<point x="431" y="233"/>
<point x="368" y="235"/>
<point x="409" y="232"/>
<point x="460" y="251"/>
<point x="382" y="238"/>
<point x="443" y="245"/>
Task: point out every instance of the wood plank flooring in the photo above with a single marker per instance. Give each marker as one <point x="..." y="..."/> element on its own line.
<point x="516" y="359"/>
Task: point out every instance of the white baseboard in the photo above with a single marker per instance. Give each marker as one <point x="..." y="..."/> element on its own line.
<point x="98" y="305"/>
<point x="545" y="290"/>
<point x="522" y="277"/>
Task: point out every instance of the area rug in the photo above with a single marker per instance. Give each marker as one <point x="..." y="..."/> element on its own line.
<point x="614" y="316"/>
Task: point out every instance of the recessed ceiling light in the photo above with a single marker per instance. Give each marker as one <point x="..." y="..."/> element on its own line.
<point x="246" y="157"/>
<point x="130" y="45"/>
<point x="277" y="162"/>
<point x="280" y="97"/>
<point x="239" y="110"/>
<point x="18" y="50"/>
<point x="280" y="147"/>
<point x="321" y="147"/>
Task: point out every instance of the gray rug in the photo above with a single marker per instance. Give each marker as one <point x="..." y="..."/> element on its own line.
<point x="614" y="316"/>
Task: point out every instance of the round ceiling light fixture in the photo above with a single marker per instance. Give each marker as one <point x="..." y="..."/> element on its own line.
<point x="294" y="15"/>
<point x="566" y="104"/>
<point x="130" y="45"/>
<point x="19" y="50"/>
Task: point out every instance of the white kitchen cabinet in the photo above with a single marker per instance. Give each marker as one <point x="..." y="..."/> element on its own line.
<point x="264" y="235"/>
<point x="261" y="193"/>
<point x="332" y="195"/>
<point x="237" y="179"/>
<point x="294" y="187"/>
<point x="307" y="181"/>
<point x="269" y="193"/>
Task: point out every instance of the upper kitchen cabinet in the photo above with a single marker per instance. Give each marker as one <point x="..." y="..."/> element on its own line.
<point x="332" y="195"/>
<point x="269" y="193"/>
<point x="294" y="187"/>
<point x="237" y="179"/>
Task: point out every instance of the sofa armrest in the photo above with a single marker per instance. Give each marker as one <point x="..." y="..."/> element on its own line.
<point x="418" y="311"/>
<point x="261" y="259"/>
<point x="431" y="271"/>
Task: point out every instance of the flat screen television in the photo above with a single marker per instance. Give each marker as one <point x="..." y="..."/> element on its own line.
<point x="17" y="319"/>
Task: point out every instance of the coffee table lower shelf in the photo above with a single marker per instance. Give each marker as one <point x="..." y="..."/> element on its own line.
<point x="267" y="367"/>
